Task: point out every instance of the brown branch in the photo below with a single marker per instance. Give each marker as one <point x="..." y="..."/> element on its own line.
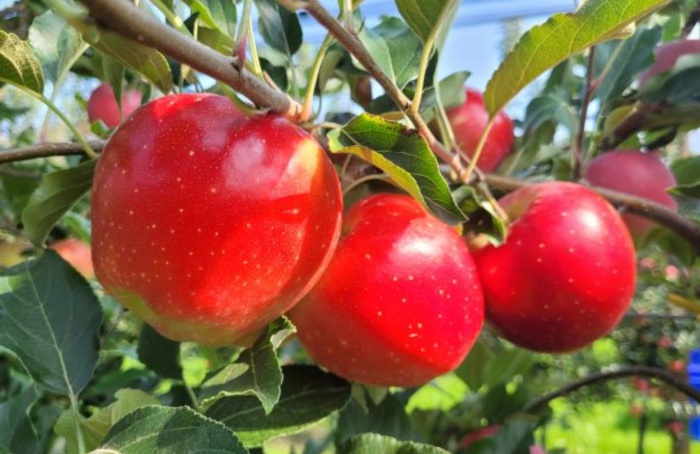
<point x="47" y="150"/>
<point x="647" y="208"/>
<point x="578" y="155"/>
<point x="122" y="17"/>
<point x="644" y="371"/>
<point x="629" y="125"/>
<point x="359" y="51"/>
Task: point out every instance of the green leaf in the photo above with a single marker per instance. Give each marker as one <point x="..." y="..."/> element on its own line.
<point x="279" y="28"/>
<point x="95" y="427"/>
<point x="308" y="395"/>
<point x="675" y="86"/>
<point x="113" y="73"/>
<point x="142" y="59"/>
<point x="373" y="444"/>
<point x="256" y="372"/>
<point x="167" y="430"/>
<point x="629" y="59"/>
<point x="687" y="173"/>
<point x="515" y="436"/>
<point x="427" y="17"/>
<point x="56" y="43"/>
<point x="19" y="65"/>
<point x="217" y="14"/>
<point x="159" y="354"/>
<point x="547" y="107"/>
<point x="387" y="418"/>
<point x="17" y="432"/>
<point x="395" y="49"/>
<point x="563" y="35"/>
<point x="404" y="155"/>
<point x="56" y="194"/>
<point x="18" y="189"/>
<point x="472" y="370"/>
<point x="50" y="317"/>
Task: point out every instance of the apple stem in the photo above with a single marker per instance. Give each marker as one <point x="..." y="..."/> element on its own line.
<point x="466" y="176"/>
<point x="643" y="371"/>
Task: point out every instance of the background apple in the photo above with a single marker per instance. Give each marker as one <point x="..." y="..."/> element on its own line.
<point x="566" y="272"/>
<point x="400" y="303"/>
<point x="635" y="173"/>
<point x="209" y="224"/>
<point x="468" y="123"/>
<point x="102" y="105"/>
<point x="666" y="57"/>
<point x="77" y="253"/>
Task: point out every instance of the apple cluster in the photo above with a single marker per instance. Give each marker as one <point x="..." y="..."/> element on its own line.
<point x="209" y="224"/>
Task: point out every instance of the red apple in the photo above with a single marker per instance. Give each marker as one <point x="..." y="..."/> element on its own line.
<point x="102" y="105"/>
<point x="667" y="55"/>
<point x="77" y="253"/>
<point x="566" y="272"/>
<point x="209" y="224"/>
<point x="400" y="303"/>
<point x="478" y="434"/>
<point x="468" y="123"/>
<point x="636" y="173"/>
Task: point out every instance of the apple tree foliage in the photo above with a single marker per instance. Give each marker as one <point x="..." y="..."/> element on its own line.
<point x="78" y="374"/>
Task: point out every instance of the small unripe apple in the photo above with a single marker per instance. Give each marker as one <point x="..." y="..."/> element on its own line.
<point x="468" y="123"/>
<point x="77" y="253"/>
<point x="400" y="303"/>
<point x="667" y="55"/>
<point x="102" y="105"/>
<point x="209" y="224"/>
<point x="636" y="173"/>
<point x="565" y="274"/>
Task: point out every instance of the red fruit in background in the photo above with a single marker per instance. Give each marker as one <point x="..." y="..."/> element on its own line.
<point x="676" y="366"/>
<point x="565" y="275"/>
<point x="400" y="303"/>
<point x="635" y="173"/>
<point x="468" y="123"/>
<point x="479" y="434"/>
<point x="209" y="224"/>
<point x="102" y="105"/>
<point x="77" y="253"/>
<point x="667" y="55"/>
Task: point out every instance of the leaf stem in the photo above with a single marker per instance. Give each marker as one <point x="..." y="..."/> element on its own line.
<point x="78" y="136"/>
<point x="422" y="70"/>
<point x="193" y="397"/>
<point x="313" y="79"/>
<point x="466" y="176"/>
<point x="78" y="426"/>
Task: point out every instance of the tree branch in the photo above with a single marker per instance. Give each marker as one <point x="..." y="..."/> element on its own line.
<point x="644" y="371"/>
<point x="122" y="17"/>
<point x="47" y="150"/>
<point x="647" y="208"/>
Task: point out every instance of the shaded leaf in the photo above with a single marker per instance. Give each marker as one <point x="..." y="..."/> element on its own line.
<point x="50" y="317"/>
<point x="56" y="194"/>
<point x="218" y="14"/>
<point x="373" y="444"/>
<point x="308" y="395"/>
<point x="167" y="430"/>
<point x="56" y="43"/>
<point x="563" y="35"/>
<point x="385" y="418"/>
<point x="19" y="65"/>
<point x="17" y="432"/>
<point x="403" y="155"/>
<point x="675" y="86"/>
<point x="687" y="174"/>
<point x="428" y="17"/>
<point x="159" y="354"/>
<point x="279" y="27"/>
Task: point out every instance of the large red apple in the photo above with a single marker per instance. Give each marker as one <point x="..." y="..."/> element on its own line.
<point x="468" y="123"/>
<point x="209" y="224"/>
<point x="566" y="272"/>
<point x="635" y="173"/>
<point x="77" y="253"/>
<point x="102" y="105"/>
<point x="400" y="302"/>
<point x="667" y="55"/>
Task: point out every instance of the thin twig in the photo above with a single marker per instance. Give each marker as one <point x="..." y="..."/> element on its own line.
<point x="577" y="151"/>
<point x="47" y="150"/>
<point x="124" y="18"/>
<point x="660" y="374"/>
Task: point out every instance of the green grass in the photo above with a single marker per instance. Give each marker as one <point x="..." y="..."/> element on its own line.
<point x="604" y="428"/>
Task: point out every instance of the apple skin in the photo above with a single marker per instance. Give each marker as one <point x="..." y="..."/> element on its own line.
<point x="468" y="123"/>
<point x="209" y="224"/>
<point x="102" y="105"/>
<point x="565" y="274"/>
<point x="636" y="173"/>
<point x="666" y="57"/>
<point x="77" y="253"/>
<point x="400" y="303"/>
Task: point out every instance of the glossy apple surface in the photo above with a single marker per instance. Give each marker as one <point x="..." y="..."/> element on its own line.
<point x="102" y="105"/>
<point x="565" y="274"/>
<point x="400" y="302"/>
<point x="77" y="253"/>
<point x="468" y="123"/>
<point x="209" y="224"/>
<point x="635" y="173"/>
<point x="667" y="55"/>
